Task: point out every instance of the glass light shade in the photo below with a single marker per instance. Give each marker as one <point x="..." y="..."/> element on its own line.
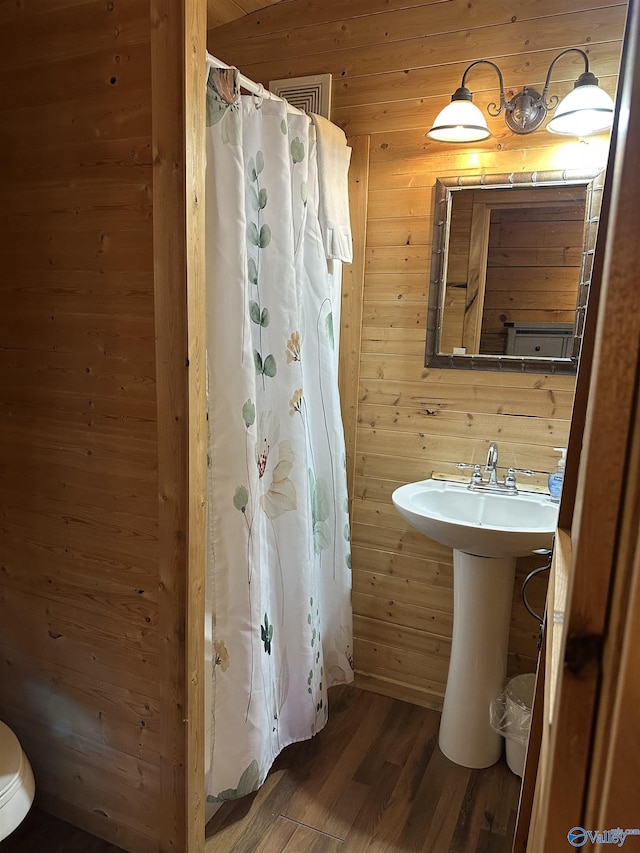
<point x="459" y="121"/>
<point x="585" y="110"/>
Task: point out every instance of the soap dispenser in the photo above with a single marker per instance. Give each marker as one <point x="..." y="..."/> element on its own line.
<point x="556" y="478"/>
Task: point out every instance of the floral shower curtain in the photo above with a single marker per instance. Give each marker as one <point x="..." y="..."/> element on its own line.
<point x="279" y="573"/>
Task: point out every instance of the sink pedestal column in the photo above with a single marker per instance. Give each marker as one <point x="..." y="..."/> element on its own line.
<point x="482" y="592"/>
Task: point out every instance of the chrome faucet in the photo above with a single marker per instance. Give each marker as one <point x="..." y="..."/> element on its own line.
<point x="478" y="484"/>
<point x="491" y="465"/>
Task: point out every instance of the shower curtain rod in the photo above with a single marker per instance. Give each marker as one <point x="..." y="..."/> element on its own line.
<point x="255" y="88"/>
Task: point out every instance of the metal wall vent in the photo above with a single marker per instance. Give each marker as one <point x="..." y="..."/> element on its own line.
<point x="311" y="94"/>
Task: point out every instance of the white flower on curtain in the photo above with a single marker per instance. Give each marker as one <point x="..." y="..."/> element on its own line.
<point x="275" y="460"/>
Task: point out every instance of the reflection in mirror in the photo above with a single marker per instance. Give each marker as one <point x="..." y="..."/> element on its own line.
<point x="511" y="267"/>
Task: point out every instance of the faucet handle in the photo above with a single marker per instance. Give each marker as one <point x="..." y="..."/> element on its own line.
<point x="476" y="477"/>
<point x="510" y="476"/>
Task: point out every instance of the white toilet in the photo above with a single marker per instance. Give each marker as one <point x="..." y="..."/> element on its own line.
<point x="17" y="786"/>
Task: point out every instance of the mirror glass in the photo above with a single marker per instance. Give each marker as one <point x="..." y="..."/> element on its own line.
<point x="511" y="268"/>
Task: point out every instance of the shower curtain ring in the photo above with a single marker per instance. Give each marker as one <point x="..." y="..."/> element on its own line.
<point x="259" y="96"/>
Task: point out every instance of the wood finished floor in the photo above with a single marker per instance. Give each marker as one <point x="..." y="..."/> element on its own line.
<point x="373" y="779"/>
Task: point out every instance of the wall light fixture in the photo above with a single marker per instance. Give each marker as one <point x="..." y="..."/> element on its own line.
<point x="585" y="110"/>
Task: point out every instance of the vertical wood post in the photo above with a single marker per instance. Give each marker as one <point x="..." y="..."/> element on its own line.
<point x="178" y="85"/>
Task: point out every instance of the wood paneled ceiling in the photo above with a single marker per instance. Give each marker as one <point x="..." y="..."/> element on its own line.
<point x="222" y="11"/>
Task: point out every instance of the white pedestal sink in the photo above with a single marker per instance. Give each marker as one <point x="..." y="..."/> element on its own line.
<point x="487" y="531"/>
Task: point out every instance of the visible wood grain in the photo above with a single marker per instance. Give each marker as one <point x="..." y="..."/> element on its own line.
<point x="375" y="780"/>
<point x="277" y="18"/>
<point x="394" y="168"/>
<point x="177" y="52"/>
<point x="394" y="145"/>
<point x="424" y="671"/>
<point x="79" y="554"/>
<point x="135" y="735"/>
<point x="452" y="450"/>
<point x="81" y="120"/>
<point x="574" y="445"/>
<point x="532" y="759"/>
<point x="351" y="306"/>
<point x="399" y="231"/>
<point x="615" y="761"/>
<point x="399" y="539"/>
<point x="194" y="36"/>
<point x="221" y="12"/>
<point x="431" y="571"/>
<point x="403" y="613"/>
<point x="473" y="397"/>
<point x="94" y="161"/>
<point x="394" y="259"/>
<point x="443" y="422"/>
<point x="415" y="83"/>
<point x="79" y="209"/>
<point x="422" y="594"/>
<point x="90" y="28"/>
<point x="93" y="607"/>
<point x="574" y="785"/>
<point x="395" y="366"/>
<point x="402" y="25"/>
<point x="393" y="687"/>
<point x="75" y="78"/>
<point x="387" y="287"/>
<point x="604" y="24"/>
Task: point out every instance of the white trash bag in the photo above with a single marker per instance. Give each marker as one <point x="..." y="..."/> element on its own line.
<point x="510" y="716"/>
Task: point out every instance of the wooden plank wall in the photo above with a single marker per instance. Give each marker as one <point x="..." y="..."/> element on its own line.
<point x="222" y="11"/>
<point x="92" y="609"/>
<point x="395" y="66"/>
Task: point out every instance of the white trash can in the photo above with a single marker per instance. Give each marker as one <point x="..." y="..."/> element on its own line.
<point x="518" y="704"/>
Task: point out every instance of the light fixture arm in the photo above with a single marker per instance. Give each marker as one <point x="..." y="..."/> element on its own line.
<point x="586" y="78"/>
<point x="492" y="108"/>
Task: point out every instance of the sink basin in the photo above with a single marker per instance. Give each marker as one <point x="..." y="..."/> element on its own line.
<point x="486" y="524"/>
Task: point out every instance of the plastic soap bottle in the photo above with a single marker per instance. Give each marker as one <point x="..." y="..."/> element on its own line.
<point x="556" y="478"/>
